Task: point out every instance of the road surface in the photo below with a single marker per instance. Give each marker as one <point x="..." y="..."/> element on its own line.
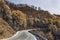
<point x="22" y="35"/>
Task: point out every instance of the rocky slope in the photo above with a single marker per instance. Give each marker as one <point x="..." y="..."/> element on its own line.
<point x="22" y="16"/>
<point x="5" y="29"/>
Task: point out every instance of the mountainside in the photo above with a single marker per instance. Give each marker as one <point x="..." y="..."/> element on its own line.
<point x="5" y="29"/>
<point x="22" y="17"/>
<point x="57" y="15"/>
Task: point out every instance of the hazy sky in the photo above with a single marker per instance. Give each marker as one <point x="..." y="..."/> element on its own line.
<point x="52" y="6"/>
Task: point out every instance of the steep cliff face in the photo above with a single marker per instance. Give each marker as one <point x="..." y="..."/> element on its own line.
<point x="25" y="17"/>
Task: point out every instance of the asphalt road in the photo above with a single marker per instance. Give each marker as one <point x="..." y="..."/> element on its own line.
<point x="23" y="35"/>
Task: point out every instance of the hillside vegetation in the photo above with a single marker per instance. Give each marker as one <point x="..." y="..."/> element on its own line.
<point x="22" y="17"/>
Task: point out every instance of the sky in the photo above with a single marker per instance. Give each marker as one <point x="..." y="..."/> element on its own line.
<point x="53" y="6"/>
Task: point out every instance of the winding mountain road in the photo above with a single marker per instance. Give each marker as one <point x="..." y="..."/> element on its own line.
<point x="23" y="35"/>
